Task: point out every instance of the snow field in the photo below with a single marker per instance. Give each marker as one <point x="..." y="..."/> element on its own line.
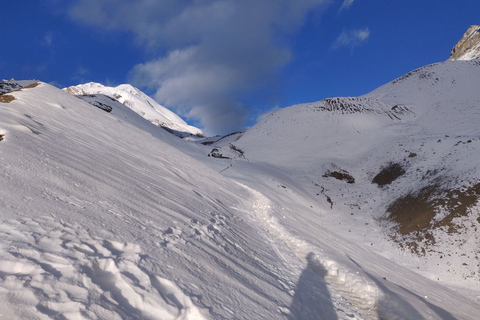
<point x="58" y="270"/>
<point x="113" y="184"/>
<point x="133" y="228"/>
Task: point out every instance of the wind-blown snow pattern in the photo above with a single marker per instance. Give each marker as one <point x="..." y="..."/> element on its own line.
<point x="140" y="103"/>
<point x="106" y="216"/>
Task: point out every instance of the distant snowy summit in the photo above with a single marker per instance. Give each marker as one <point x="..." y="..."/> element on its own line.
<point x="468" y="48"/>
<point x="138" y="102"/>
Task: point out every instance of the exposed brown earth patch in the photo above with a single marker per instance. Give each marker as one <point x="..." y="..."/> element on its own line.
<point x="6" y="98"/>
<point x="33" y="85"/>
<point x="417" y="213"/>
<point x="388" y="174"/>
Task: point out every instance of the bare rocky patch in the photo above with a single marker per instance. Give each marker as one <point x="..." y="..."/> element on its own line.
<point x="388" y="174"/>
<point x="341" y="175"/>
<point x="8" y="86"/>
<point x="215" y="153"/>
<point x="95" y="100"/>
<point x="237" y="150"/>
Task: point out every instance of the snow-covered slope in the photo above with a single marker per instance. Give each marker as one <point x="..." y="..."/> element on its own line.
<point x="140" y="103"/>
<point x="101" y="220"/>
<point x="348" y="208"/>
<point x="395" y="171"/>
<point x="468" y="48"/>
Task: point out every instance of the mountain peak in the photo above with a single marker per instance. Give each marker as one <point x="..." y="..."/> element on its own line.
<point x="140" y="103"/>
<point x="468" y="48"/>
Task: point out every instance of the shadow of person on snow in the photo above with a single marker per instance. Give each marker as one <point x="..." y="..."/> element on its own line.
<point x="312" y="299"/>
<point x="391" y="305"/>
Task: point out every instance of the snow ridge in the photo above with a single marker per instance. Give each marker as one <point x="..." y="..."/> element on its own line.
<point x="140" y="103"/>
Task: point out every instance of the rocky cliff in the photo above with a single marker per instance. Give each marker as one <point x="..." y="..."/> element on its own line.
<point x="468" y="48"/>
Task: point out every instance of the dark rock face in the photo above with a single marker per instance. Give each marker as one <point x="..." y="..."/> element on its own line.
<point x="215" y="153"/>
<point x="8" y="86"/>
<point x="96" y="100"/>
<point x="468" y="48"/>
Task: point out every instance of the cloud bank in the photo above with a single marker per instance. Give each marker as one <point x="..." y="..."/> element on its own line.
<point x="215" y="52"/>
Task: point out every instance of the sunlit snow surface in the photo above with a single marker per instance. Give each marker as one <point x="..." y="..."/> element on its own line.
<point x="78" y="179"/>
<point x="427" y="121"/>
<point x="140" y="103"/>
<point x="104" y="218"/>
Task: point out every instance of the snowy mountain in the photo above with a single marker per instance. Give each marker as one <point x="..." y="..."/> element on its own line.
<point x="104" y="220"/>
<point x="402" y="159"/>
<point x="468" y="48"/>
<point x="347" y="208"/>
<point x="136" y="100"/>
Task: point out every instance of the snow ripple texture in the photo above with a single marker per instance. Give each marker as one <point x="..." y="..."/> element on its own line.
<point x="59" y="271"/>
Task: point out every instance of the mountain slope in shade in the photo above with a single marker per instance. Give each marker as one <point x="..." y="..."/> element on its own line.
<point x="140" y="103"/>
<point x="468" y="48"/>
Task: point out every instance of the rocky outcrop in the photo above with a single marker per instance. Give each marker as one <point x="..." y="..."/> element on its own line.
<point x="468" y="48"/>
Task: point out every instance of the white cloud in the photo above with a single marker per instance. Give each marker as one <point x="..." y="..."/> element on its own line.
<point x="48" y="39"/>
<point x="217" y="51"/>
<point x="346" y="4"/>
<point x="351" y="38"/>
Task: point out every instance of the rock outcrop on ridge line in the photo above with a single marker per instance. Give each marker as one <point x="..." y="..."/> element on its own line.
<point x="468" y="48"/>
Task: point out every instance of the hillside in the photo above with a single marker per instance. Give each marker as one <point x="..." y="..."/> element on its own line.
<point x="139" y="102"/>
<point x="104" y="218"/>
<point x="395" y="170"/>
<point x="349" y="208"/>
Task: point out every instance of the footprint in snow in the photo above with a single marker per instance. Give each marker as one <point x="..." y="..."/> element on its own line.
<point x="55" y="270"/>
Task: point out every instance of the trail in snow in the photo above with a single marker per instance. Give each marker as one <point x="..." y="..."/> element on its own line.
<point x="57" y="270"/>
<point x="353" y="297"/>
<point x="357" y="280"/>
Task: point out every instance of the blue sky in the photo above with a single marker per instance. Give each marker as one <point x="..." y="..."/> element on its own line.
<point x="221" y="63"/>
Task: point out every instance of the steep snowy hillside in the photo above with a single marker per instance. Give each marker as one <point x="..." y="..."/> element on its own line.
<point x="140" y="103"/>
<point x="101" y="220"/>
<point x="396" y="171"/>
<point x="468" y="48"/>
